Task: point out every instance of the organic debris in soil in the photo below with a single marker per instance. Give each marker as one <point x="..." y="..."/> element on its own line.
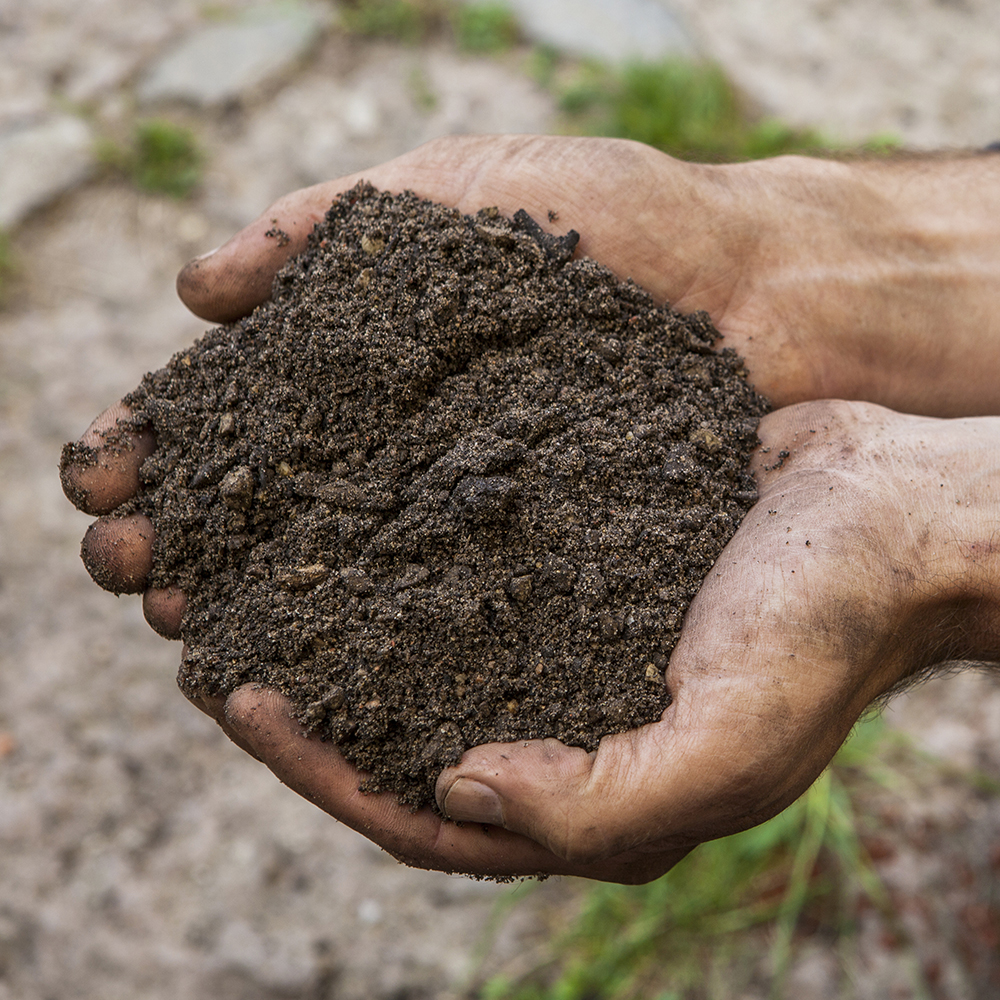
<point x="449" y="486"/>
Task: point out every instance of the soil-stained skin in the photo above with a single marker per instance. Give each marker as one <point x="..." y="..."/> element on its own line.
<point x="449" y="486"/>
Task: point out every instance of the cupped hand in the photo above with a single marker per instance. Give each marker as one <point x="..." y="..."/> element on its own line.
<point x="868" y="558"/>
<point x="876" y="281"/>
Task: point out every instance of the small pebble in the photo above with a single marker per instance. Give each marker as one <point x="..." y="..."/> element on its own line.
<point x="520" y="588"/>
<point x="237" y="488"/>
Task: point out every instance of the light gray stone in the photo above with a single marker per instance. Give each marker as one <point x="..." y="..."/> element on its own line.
<point x="614" y="30"/>
<point x="222" y="62"/>
<point x="40" y="160"/>
<point x="924" y="71"/>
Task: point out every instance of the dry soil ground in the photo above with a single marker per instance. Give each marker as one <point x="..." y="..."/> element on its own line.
<point x="141" y="855"/>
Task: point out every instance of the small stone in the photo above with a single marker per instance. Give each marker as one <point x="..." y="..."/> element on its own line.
<point x="227" y="424"/>
<point x="653" y="674"/>
<point x="223" y="62"/>
<point x="697" y="374"/>
<point x="371" y="245"/>
<point x="316" y="711"/>
<point x="677" y="469"/>
<point x="284" y="470"/>
<point x="520" y="588"/>
<point x="695" y="518"/>
<point x="484" y="499"/>
<point x="707" y="438"/>
<point x="302" y="577"/>
<point x="459" y="574"/>
<point x="358" y="583"/>
<point x="236" y="489"/>
<point x="611" y="625"/>
<point x="610" y="349"/>
<point x="561" y="573"/>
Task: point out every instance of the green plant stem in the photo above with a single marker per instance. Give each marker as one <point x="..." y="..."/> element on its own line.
<point x="818" y="800"/>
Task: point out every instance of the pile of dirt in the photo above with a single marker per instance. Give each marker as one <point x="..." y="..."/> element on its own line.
<point x="449" y="486"/>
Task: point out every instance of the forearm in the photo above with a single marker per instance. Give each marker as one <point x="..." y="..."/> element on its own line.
<point x="870" y="280"/>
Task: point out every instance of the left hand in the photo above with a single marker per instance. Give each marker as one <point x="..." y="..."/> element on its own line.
<point x="867" y="558"/>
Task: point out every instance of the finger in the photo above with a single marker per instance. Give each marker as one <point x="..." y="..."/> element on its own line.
<point x="164" y="610"/>
<point x="232" y="280"/>
<point x="318" y="772"/>
<point x="101" y="470"/>
<point x="118" y="553"/>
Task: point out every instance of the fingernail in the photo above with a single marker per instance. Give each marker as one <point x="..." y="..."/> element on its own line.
<point x="471" y="801"/>
<point x="203" y="256"/>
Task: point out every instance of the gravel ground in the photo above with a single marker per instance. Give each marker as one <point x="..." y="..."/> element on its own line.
<point x="141" y="855"/>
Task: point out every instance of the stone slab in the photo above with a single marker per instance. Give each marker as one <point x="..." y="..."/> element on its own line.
<point x="924" y="71"/>
<point x="223" y="62"/>
<point x="39" y="160"/>
<point x="613" y="30"/>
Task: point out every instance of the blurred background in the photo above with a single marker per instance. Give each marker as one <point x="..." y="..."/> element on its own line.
<point x="142" y="855"/>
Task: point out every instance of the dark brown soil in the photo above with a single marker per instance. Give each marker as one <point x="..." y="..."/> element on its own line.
<point x="449" y="486"/>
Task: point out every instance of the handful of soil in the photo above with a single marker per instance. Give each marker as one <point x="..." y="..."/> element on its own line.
<point x="448" y="486"/>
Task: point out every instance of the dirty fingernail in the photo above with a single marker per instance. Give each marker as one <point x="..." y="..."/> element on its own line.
<point x="471" y="801"/>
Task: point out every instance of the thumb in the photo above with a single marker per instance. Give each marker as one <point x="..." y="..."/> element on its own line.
<point x="546" y="791"/>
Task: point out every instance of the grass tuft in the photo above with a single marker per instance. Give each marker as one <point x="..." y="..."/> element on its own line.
<point x="162" y="158"/>
<point x="403" y="20"/>
<point x="486" y="28"/>
<point x="688" y="109"/>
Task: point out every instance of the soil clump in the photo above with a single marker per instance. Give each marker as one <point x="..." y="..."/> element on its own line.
<point x="449" y="486"/>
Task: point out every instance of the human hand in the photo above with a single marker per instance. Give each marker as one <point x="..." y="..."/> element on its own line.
<point x="868" y="558"/>
<point x="738" y="267"/>
<point x="875" y="280"/>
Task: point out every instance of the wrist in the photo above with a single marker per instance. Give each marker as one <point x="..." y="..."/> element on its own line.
<point x="907" y="504"/>
<point x="868" y="280"/>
